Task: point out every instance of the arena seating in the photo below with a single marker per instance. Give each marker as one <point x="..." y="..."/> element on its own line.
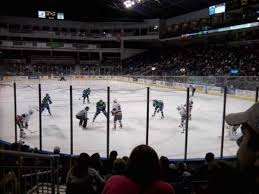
<point x="186" y="176"/>
<point x="196" y="61"/>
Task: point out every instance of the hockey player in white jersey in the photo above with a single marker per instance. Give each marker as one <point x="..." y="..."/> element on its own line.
<point x="23" y="122"/>
<point x="182" y="112"/>
<point x="117" y="113"/>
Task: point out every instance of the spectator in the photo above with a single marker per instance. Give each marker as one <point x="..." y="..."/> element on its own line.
<point x="240" y="178"/>
<point x="82" y="179"/>
<point x="248" y="153"/>
<point x="119" y="166"/>
<point x="142" y="175"/>
<point x="95" y="162"/>
<point x="56" y="150"/>
<point x="165" y="170"/>
<point x="203" y="172"/>
<point x="182" y="170"/>
<point x="108" y="164"/>
<point x="125" y="158"/>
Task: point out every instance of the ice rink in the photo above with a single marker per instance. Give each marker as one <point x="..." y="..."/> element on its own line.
<point x="164" y="134"/>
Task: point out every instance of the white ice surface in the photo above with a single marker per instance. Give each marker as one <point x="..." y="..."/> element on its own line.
<point x="164" y="134"/>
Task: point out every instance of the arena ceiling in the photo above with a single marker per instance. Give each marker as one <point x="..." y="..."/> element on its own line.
<point x="105" y="10"/>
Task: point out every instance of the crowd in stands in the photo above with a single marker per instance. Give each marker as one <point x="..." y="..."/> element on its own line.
<point x="190" y="61"/>
<point x="21" y="69"/>
<point x="211" y="61"/>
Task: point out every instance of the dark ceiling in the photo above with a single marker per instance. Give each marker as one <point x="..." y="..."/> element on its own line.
<point x="104" y="10"/>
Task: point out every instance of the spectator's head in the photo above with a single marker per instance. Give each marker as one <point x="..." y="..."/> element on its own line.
<point x="209" y="157"/>
<point x="172" y="166"/>
<point x="143" y="165"/>
<point x="81" y="167"/>
<point x="181" y="167"/>
<point x="249" y="141"/>
<point x="113" y="155"/>
<point x="118" y="167"/>
<point x="56" y="150"/>
<point x="125" y="158"/>
<point x="164" y="162"/>
<point x="95" y="161"/>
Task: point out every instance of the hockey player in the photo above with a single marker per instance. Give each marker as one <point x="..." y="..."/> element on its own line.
<point x="117" y="113"/>
<point x="22" y="122"/>
<point x="192" y="87"/>
<point x="158" y="105"/>
<point x="182" y="112"/>
<point x="82" y="116"/>
<point x="100" y="107"/>
<point x="86" y="94"/>
<point x="45" y="103"/>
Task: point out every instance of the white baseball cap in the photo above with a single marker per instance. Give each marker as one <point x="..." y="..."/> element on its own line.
<point x="250" y="116"/>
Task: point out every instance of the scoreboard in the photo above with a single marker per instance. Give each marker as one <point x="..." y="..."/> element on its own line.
<point x="51" y="15"/>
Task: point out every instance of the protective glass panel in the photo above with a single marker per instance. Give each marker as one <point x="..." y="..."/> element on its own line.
<point x="165" y="131"/>
<point x="55" y="114"/>
<point x="131" y="99"/>
<point x="92" y="137"/>
<point x="239" y="99"/>
<point x="205" y="120"/>
<point x="27" y="110"/>
<point x="7" y="132"/>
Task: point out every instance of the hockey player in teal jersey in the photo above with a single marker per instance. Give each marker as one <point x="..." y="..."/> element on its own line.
<point x="45" y="103"/>
<point x="159" y="106"/>
<point x="86" y="94"/>
<point x="100" y="107"/>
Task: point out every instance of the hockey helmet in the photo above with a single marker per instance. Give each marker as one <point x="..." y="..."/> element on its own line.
<point x="115" y="100"/>
<point x="178" y="107"/>
<point x="86" y="108"/>
<point x="47" y="94"/>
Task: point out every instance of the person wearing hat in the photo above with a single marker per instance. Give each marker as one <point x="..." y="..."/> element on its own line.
<point x="248" y="152"/>
<point x="82" y="116"/>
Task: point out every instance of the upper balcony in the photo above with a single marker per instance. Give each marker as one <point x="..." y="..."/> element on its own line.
<point x="68" y="30"/>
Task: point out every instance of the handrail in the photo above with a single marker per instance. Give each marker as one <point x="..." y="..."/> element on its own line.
<point x="31" y="155"/>
<point x="37" y="173"/>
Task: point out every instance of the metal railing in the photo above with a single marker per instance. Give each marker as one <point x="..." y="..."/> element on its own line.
<point x="23" y="172"/>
